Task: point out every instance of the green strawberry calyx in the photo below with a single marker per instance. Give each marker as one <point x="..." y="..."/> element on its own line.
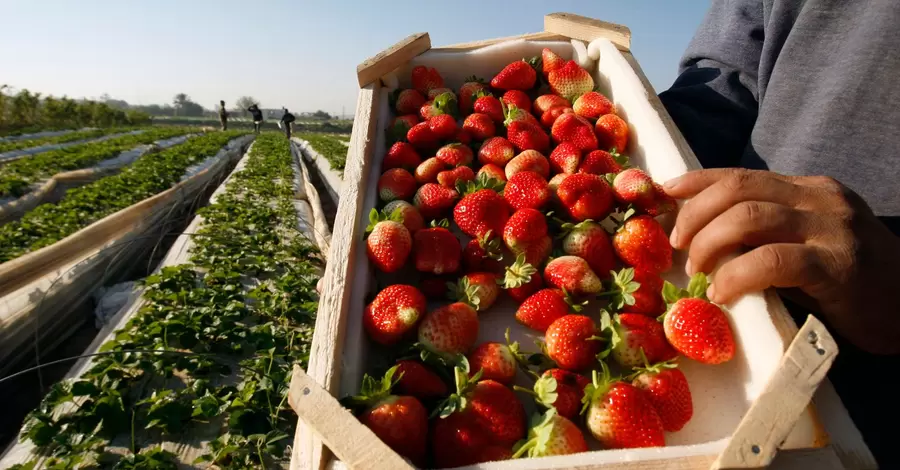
<point x="464" y="291"/>
<point x="611" y="332"/>
<point x="518" y="274"/>
<point x="539" y="435"/>
<point x="474" y="79"/>
<point x="696" y="289"/>
<point x="442" y="223"/>
<point x="522" y="359"/>
<point x="459" y="400"/>
<point x="600" y="383"/>
<point x="376" y="217"/>
<point x="568" y="228"/>
<point x="622" y="287"/>
<point x="651" y="369"/>
<point x="491" y="245"/>
<point x="482" y="181"/>
<point x="573" y="304"/>
<point x="440" y="360"/>
<point x="622" y="160"/>
<point x="511" y="113"/>
<point x="372" y="391"/>
<point x="445" y="103"/>
<point x="397" y="132"/>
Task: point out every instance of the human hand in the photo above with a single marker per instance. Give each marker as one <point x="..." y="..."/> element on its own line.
<point x="805" y="232"/>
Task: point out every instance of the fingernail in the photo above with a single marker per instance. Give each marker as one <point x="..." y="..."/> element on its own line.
<point x="672" y="183"/>
<point x="687" y="268"/>
<point x="711" y="292"/>
<point x="673" y="238"/>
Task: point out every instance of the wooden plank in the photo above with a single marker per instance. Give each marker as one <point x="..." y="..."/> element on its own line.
<point x="468" y="46"/>
<point x="789" y="391"/>
<point x="587" y="29"/>
<point x="389" y="59"/>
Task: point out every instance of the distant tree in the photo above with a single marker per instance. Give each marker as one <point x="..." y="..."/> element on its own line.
<point x="179" y="101"/>
<point x="321" y="115"/>
<point x="245" y="102"/>
<point x="185" y="107"/>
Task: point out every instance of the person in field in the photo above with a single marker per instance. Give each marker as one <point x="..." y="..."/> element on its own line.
<point x="223" y="115"/>
<point x="793" y="108"/>
<point x="257" y="117"/>
<point x="287" y="122"/>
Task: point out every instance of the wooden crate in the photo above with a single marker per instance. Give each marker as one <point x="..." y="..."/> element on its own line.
<point x="751" y="407"/>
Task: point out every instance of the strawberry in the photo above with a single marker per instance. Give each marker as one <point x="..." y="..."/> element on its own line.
<point x="444" y="103"/>
<point x="523" y="227"/>
<point x="572" y="274"/>
<point x="491" y="106"/>
<point x="538" y="251"/>
<point x="494" y="361"/>
<point x="635" y="338"/>
<point x="592" y="105"/>
<point x="389" y="243"/>
<point x="393" y="313"/>
<point x="459" y="441"/>
<point x="551" y="61"/>
<point x="481" y="208"/>
<point x="527" y="136"/>
<point x="455" y="155"/>
<point x="543" y="307"/>
<point x="480" y="290"/>
<point x="550" y="116"/>
<point x="667" y="388"/>
<point x="401" y="422"/>
<point x="633" y="186"/>
<point x="480" y="126"/>
<point x="435" y="92"/>
<point x="450" y="178"/>
<point x="468" y="93"/>
<point x="435" y="287"/>
<point x="433" y="200"/>
<point x="496" y="150"/>
<point x="436" y="250"/>
<point x="637" y="291"/>
<point x="588" y="240"/>
<point x="601" y="162"/>
<point x="443" y="126"/>
<point x="642" y="243"/>
<point x="521" y="279"/>
<point x="612" y="133"/>
<point x="557" y="180"/>
<point x="421" y="137"/>
<point x="526" y="189"/>
<point x="544" y="102"/>
<point x="620" y="415"/>
<point x="513" y="114"/>
<point x="462" y="136"/>
<point x="492" y="171"/>
<point x="552" y="434"/>
<point x="419" y="381"/>
<point x="570" y="81"/>
<point x="396" y="183"/>
<point x="528" y="160"/>
<point x="568" y="388"/>
<point x="401" y="155"/>
<point x="425" y="79"/>
<point x="408" y="215"/>
<point x="428" y="111"/>
<point x="585" y="196"/>
<point x="565" y="158"/>
<point x="400" y="126"/>
<point x="428" y="170"/>
<point x="493" y="406"/>
<point x="483" y="254"/>
<point x="407" y="101"/>
<point x="572" y="342"/>
<point x="517" y="98"/>
<point x="696" y="327"/>
<point x="519" y="75"/>
<point x="569" y="127"/>
<point x="451" y="329"/>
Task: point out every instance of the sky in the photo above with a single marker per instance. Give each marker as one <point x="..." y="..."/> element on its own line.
<point x="301" y="54"/>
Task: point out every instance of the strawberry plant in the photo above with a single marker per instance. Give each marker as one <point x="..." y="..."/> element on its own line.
<point x="57" y="139"/>
<point x="329" y="147"/>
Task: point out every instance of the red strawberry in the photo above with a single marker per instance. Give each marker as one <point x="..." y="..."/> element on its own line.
<point x="635" y="187"/>
<point x="480" y="126"/>
<point x="518" y="99"/>
<point x="551" y="435"/>
<point x="612" y="133"/>
<point x="573" y="128"/>
<point x="435" y="92"/>
<point x="570" y="81"/>
<point x="401" y="155"/>
<point x="419" y="381"/>
<point x="459" y="440"/>
<point x="451" y="329"/>
<point x="550" y="116"/>
<point x="480" y="290"/>
<point x="642" y="243"/>
<point x="568" y="388"/>
<point x="494" y="361"/>
<point x="519" y="75"/>
<point x="421" y="137"/>
<point x="557" y="180"/>
<point x="393" y="313"/>
<point x="443" y="126"/>
<point x="483" y="254"/>
<point x="523" y="227"/>
<point x="428" y="111"/>
<point x="424" y="79"/>
<point x="696" y="327"/>
<point x="450" y="178"/>
<point x="396" y="183"/>
<point x="513" y="114"/>
<point x="572" y="342"/>
<point x="668" y="391"/>
<point x="543" y="307"/>
<point x="528" y="160"/>
<point x="593" y="105"/>
<point x="481" y="209"/>
<point x="526" y="189"/>
<point x="496" y="150"/>
<point x="468" y="93"/>
<point x="572" y="274"/>
<point x="389" y="243"/>
<point x="401" y="422"/>
<point x="492" y="405"/>
<point x="434" y="200"/>
<point x="620" y="415"/>
<point x="637" y="291"/>
<point x="585" y="196"/>
<point x="408" y="215"/>
<point x="565" y="158"/>
<point x="551" y="61"/>
<point x="521" y="279"/>
<point x="463" y="136"/>
<point x="428" y="170"/>
<point x="544" y="102"/>
<point x="601" y="162"/>
<point x="443" y="103"/>
<point x="436" y="250"/>
<point x="636" y="338"/>
<point x="400" y="126"/>
<point x="455" y="155"/>
<point x="408" y="101"/>
<point x="491" y="106"/>
<point x="435" y="287"/>
<point x="492" y="171"/>
<point x="537" y="252"/>
<point x="588" y="240"/>
<point x="527" y="136"/>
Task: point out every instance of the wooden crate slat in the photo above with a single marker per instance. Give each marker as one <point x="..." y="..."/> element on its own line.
<point x="468" y="46"/>
<point x="588" y="29"/>
<point x="387" y="60"/>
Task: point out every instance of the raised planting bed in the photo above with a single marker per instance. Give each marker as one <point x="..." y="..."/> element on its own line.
<point x="331" y="178"/>
<point x="329" y="147"/>
<point x="56" y="138"/>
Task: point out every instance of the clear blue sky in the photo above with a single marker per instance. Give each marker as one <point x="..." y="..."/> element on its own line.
<point x="301" y="54"/>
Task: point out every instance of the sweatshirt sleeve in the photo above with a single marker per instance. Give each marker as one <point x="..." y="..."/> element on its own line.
<point x="714" y="100"/>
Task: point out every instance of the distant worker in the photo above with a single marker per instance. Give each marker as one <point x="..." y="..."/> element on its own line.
<point x="287" y="121"/>
<point x="257" y="117"/>
<point x="223" y="115"/>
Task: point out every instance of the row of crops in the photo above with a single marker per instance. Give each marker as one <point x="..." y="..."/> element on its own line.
<point x="332" y="147"/>
<point x="58" y="139"/>
<point x="209" y="352"/>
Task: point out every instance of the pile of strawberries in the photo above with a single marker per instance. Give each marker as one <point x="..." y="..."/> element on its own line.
<point x="531" y="170"/>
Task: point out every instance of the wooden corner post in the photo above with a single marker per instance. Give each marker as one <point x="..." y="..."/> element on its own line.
<point x="387" y="60"/>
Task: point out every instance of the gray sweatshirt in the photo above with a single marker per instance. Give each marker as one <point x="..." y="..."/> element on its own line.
<point x="806" y="88"/>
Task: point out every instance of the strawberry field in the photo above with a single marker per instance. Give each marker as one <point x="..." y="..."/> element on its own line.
<point x="330" y="147"/>
<point x="20" y="144"/>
